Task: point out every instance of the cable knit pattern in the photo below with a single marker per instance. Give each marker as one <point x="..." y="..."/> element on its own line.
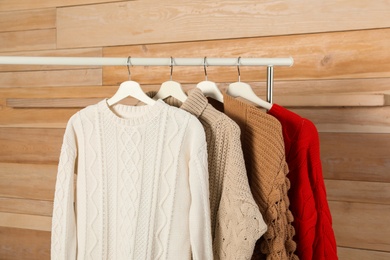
<point x="236" y="221"/>
<point x="264" y="154"/>
<point x="142" y="185"/>
<point x="312" y="219"/>
<point x="93" y="188"/>
<point x="64" y="211"/>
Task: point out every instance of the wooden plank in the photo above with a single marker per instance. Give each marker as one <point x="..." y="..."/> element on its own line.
<point x="42" y="223"/>
<point x="316" y="87"/>
<point x="87" y="52"/>
<point x="24" y="244"/>
<point x="27" y="181"/>
<point x="28" y="20"/>
<point x="387" y="98"/>
<point x="345" y="253"/>
<point x="35" y="145"/>
<point x="337" y="55"/>
<point x="28" y="40"/>
<point x="60" y="92"/>
<point x="358" y="191"/>
<point x="343" y="86"/>
<point x="359" y="157"/>
<point x="281" y="88"/>
<point x="329" y="120"/>
<point x="361" y="225"/>
<point x="51" y="78"/>
<point x="36" y="118"/>
<point x="60" y="102"/>
<point x="30" y="207"/>
<point x="47" y="118"/>
<point x="348" y="128"/>
<point x="348" y="120"/>
<point x="333" y="100"/>
<point x="10" y="5"/>
<point x="51" y="102"/>
<point x="138" y="22"/>
<point x="353" y="120"/>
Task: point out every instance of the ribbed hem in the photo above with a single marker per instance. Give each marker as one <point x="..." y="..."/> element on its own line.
<point x="135" y="115"/>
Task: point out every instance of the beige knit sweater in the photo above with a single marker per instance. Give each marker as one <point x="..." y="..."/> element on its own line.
<point x="236" y="222"/>
<point x="263" y="146"/>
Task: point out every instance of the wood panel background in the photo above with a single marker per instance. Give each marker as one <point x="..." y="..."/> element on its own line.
<point x="340" y="80"/>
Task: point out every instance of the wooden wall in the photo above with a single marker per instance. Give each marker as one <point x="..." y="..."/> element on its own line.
<point x="340" y="80"/>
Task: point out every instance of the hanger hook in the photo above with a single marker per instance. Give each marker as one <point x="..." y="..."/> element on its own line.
<point x="171" y="67"/>
<point x="238" y="69"/>
<point x="204" y="67"/>
<point x="128" y="63"/>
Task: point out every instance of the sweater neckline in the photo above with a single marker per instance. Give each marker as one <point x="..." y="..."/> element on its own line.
<point x="195" y="104"/>
<point x="131" y="115"/>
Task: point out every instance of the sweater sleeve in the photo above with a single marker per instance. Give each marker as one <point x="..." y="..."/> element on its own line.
<point x="200" y="223"/>
<point x="63" y="237"/>
<point x="324" y="246"/>
<point x="239" y="221"/>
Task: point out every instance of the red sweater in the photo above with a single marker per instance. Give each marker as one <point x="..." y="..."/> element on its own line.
<point x="308" y="204"/>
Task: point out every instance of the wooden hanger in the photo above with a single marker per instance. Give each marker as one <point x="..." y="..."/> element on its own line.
<point x="171" y="88"/>
<point x="244" y="90"/>
<point x="209" y="88"/>
<point x="130" y="88"/>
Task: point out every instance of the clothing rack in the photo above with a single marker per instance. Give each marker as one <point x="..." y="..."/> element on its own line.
<point x="130" y="61"/>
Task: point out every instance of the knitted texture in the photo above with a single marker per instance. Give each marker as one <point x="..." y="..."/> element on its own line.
<point x="236" y="221"/>
<point x="312" y="219"/>
<point x="142" y="185"/>
<point x="264" y="154"/>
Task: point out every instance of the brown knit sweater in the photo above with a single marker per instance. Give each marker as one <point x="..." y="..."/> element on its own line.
<point x="236" y="221"/>
<point x="263" y="146"/>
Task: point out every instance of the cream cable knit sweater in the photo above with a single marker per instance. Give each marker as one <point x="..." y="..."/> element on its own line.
<point x="235" y="217"/>
<point x="142" y="189"/>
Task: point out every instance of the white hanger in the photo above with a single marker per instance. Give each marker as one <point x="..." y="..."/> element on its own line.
<point x="171" y="88"/>
<point x="244" y="90"/>
<point x="209" y="88"/>
<point x="130" y="88"/>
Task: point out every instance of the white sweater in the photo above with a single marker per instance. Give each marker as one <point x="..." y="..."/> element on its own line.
<point x="142" y="185"/>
